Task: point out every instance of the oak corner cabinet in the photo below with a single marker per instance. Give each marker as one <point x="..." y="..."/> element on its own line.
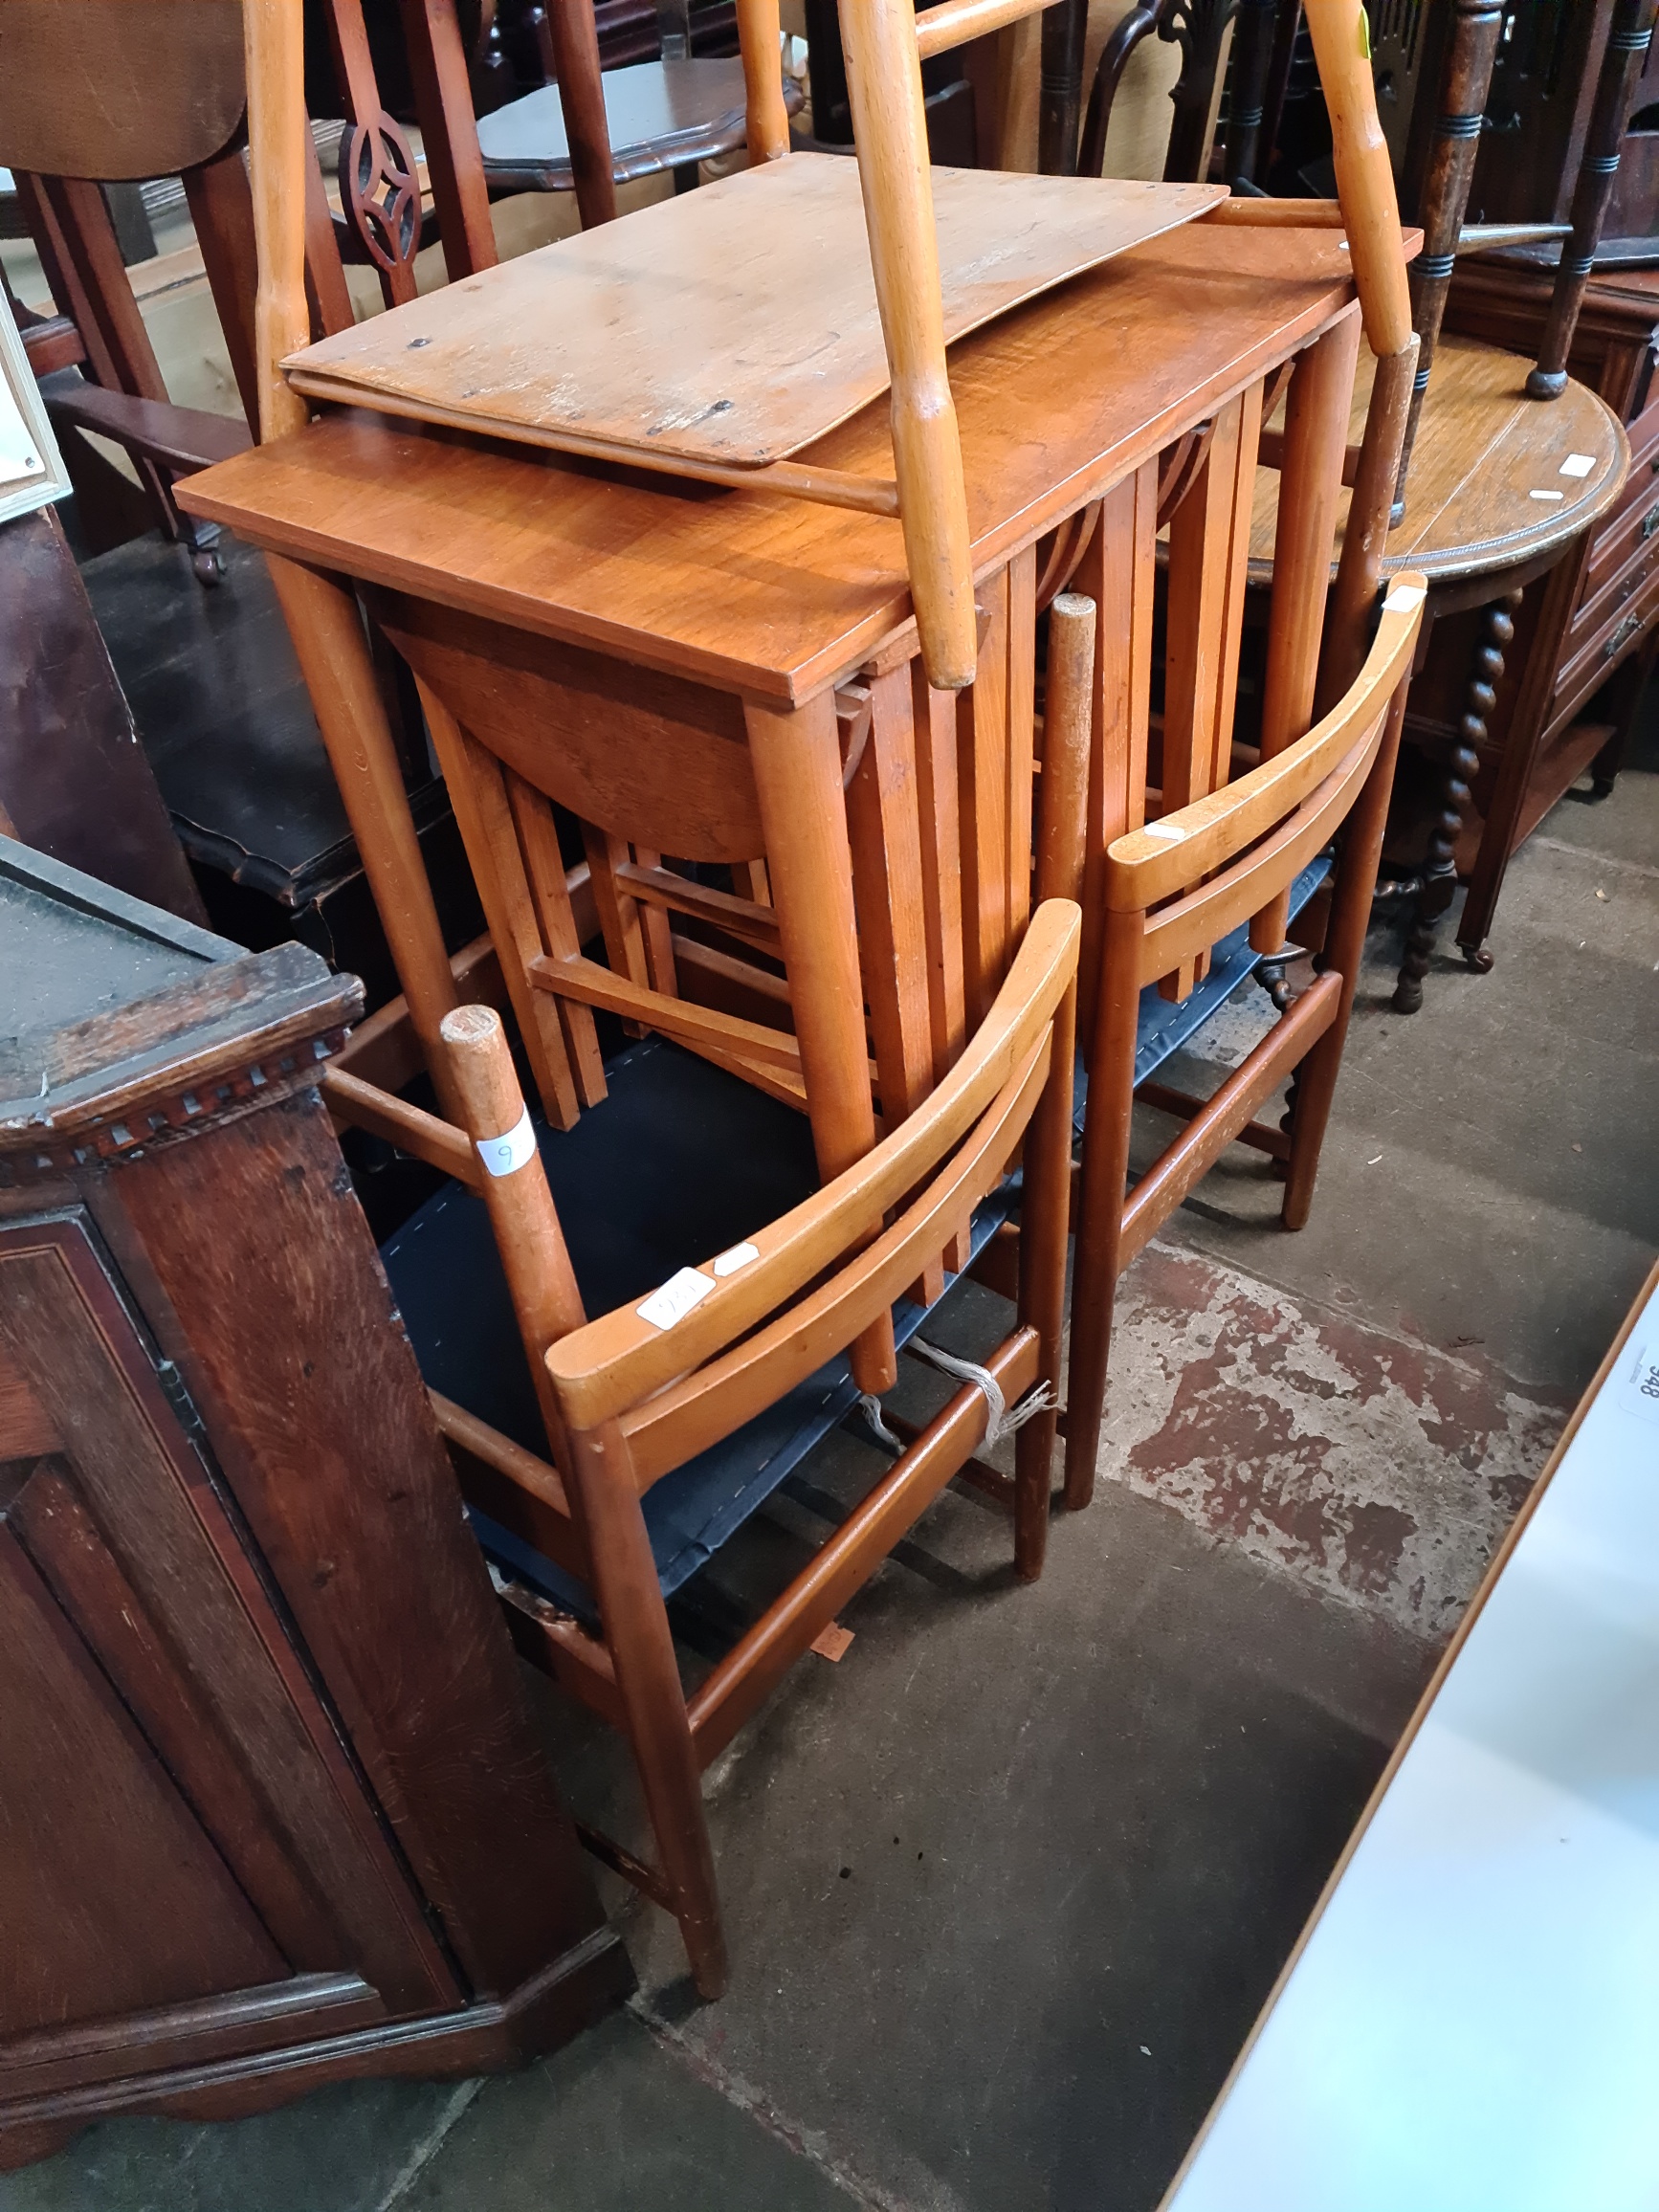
<point x="273" y="1812"/>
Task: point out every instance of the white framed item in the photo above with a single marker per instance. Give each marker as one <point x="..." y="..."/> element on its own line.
<point x="31" y="470"/>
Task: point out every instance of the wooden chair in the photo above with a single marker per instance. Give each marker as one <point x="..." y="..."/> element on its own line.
<point x="1181" y="891"/>
<point x="672" y="1417"/>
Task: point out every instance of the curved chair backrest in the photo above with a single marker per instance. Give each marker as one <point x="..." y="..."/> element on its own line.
<point x="676" y="1390"/>
<point x="119" y="89"/>
<point x="1191" y="877"/>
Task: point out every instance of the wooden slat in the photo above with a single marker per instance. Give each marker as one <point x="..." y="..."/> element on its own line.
<point x="740" y="917"/>
<point x="1209" y="558"/>
<point x="1310" y="482"/>
<point x="884" y="828"/>
<point x="982" y="805"/>
<point x="1174" y="852"/>
<point x="593" y="985"/>
<point x="360" y="1105"/>
<point x="550" y="893"/>
<point x="658" y="936"/>
<point x="1022" y="733"/>
<point x="479" y="794"/>
<point x="1179" y="931"/>
<point x="934" y="726"/>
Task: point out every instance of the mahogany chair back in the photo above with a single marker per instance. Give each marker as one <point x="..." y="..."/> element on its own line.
<point x="630" y="1396"/>
<point x="1171" y="891"/>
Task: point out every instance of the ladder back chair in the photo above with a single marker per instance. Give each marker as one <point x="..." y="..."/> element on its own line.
<point x="649" y="1408"/>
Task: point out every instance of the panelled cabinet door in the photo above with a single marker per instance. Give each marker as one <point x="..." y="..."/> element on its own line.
<point x="190" y="1864"/>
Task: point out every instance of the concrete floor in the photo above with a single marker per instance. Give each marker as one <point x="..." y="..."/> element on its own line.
<point x="1006" y="1885"/>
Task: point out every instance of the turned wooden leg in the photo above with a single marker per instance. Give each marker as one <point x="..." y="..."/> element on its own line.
<point x="1462" y="763"/>
<point x="636" y="1634"/>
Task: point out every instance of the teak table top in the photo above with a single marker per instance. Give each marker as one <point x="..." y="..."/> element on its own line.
<point x="773" y="597"/>
<point x="1496" y="477"/>
<point x="734" y="324"/>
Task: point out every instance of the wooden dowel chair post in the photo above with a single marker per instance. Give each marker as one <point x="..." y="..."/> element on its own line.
<point x="1061" y="839"/>
<point x="884" y="85"/>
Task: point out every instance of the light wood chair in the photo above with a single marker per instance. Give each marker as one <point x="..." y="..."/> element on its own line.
<point x="1181" y="896"/>
<point x="655" y="1403"/>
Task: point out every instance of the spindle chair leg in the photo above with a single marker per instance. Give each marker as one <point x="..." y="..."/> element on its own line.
<point x="641" y="1647"/>
<point x="1099" y="1212"/>
<point x="1047" y="1170"/>
<point x="1316" y="1077"/>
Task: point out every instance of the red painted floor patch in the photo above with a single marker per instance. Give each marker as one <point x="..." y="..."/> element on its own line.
<point x="1382" y="1471"/>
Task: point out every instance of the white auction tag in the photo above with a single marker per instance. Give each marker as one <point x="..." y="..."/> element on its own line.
<point x="675" y="1299"/>
<point x="1404" y="598"/>
<point x="1578" y="464"/>
<point x="1638" y="1385"/>
<point x="1546" y="495"/>
<point x="738" y="1257"/>
<point x="1170" y="831"/>
<point x="503" y="1154"/>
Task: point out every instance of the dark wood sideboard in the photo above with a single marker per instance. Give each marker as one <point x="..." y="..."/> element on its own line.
<point x="272" y="1810"/>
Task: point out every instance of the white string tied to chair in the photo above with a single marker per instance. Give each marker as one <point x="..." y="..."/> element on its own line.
<point x="1000" y="1419"/>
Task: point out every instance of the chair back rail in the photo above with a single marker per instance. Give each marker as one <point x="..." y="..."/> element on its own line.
<point x="1178" y="851"/>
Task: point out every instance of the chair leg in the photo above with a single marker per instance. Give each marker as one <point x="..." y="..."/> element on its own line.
<point x="636" y="1632"/>
<point x="1043" y="1222"/>
<point x="1100" y="1201"/>
<point x="1316" y="1077"/>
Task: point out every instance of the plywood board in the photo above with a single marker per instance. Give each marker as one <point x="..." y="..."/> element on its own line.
<point x="734" y="324"/>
